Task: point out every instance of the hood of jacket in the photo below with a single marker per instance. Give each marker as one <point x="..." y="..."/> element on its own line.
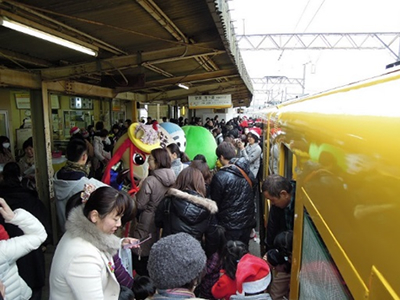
<point x="79" y="226"/>
<point x="63" y="189"/>
<point x="165" y="175"/>
<point x="208" y="204"/>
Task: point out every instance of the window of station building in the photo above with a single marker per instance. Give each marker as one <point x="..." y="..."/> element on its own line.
<point x="76" y="118"/>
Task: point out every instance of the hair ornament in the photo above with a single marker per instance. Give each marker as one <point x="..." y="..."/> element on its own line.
<point x="87" y="190"/>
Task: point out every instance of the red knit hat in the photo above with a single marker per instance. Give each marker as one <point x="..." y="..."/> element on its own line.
<point x="3" y="233"/>
<point x="252" y="275"/>
<point x="74" y="130"/>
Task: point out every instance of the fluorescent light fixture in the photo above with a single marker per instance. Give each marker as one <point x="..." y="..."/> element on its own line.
<point x="46" y="36"/>
<point x="183" y="86"/>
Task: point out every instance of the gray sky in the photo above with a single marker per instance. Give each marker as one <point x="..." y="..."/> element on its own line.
<point x="325" y="69"/>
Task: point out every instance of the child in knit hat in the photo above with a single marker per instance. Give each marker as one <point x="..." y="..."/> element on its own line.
<point x="176" y="265"/>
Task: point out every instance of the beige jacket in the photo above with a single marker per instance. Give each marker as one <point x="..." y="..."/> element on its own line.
<point x="148" y="198"/>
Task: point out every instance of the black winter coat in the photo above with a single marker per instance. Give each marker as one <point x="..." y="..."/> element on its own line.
<point x="234" y="196"/>
<point x="189" y="212"/>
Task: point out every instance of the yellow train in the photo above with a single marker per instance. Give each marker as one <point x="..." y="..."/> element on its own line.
<point x="343" y="149"/>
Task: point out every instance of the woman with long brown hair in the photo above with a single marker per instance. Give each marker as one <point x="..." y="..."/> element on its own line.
<point x="185" y="209"/>
<point x="152" y="191"/>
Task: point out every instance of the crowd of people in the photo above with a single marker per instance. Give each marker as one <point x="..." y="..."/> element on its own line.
<point x="189" y="226"/>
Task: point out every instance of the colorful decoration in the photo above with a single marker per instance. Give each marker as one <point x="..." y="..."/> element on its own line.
<point x="132" y="150"/>
<point x="200" y="141"/>
<point x="177" y="134"/>
<point x="111" y="266"/>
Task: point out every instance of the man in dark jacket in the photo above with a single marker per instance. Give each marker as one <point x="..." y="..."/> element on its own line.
<point x="234" y="194"/>
<point x="280" y="192"/>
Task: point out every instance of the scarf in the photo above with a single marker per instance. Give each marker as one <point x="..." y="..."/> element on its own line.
<point x="73" y="166"/>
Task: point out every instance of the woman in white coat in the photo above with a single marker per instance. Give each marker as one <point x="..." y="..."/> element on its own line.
<point x="83" y="265"/>
<point x="12" y="249"/>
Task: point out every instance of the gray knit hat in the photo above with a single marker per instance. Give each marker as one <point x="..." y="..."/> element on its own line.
<point x="175" y="260"/>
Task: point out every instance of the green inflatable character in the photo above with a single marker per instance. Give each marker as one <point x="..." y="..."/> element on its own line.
<point x="200" y="141"/>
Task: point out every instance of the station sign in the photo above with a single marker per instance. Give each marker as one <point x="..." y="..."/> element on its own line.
<point x="210" y="101"/>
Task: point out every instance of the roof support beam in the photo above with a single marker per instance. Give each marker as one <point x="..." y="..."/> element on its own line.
<point x="232" y="87"/>
<point x="24" y="59"/>
<point x="198" y="89"/>
<point x="114" y="63"/>
<point x="20" y="79"/>
<point x="174" y="30"/>
<point x="163" y="20"/>
<point x="189" y="78"/>
<point x="33" y="81"/>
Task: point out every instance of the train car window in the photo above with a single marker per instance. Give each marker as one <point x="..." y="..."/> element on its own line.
<point x="274" y="158"/>
<point x="288" y="166"/>
<point x="319" y="275"/>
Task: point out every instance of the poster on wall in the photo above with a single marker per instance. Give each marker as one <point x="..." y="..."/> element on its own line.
<point x="55" y="102"/>
<point x="23" y="101"/>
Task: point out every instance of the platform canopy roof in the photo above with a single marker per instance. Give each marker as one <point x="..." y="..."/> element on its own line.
<point x="144" y="48"/>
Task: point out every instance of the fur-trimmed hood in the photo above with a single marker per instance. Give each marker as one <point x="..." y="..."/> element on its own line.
<point x="208" y="204"/>
<point x="79" y="226"/>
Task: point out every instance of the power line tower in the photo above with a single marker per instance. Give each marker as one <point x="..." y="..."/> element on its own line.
<point x="276" y="89"/>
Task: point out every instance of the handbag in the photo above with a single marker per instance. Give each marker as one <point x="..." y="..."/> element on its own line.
<point x="126" y="259"/>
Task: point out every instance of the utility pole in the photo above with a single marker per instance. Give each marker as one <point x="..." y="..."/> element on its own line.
<point x="304" y="78"/>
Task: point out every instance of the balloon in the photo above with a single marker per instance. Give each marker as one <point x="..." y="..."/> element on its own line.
<point x="177" y="134"/>
<point x="200" y="141"/>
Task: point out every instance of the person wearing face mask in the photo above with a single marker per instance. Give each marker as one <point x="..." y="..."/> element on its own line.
<point x="5" y="153"/>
